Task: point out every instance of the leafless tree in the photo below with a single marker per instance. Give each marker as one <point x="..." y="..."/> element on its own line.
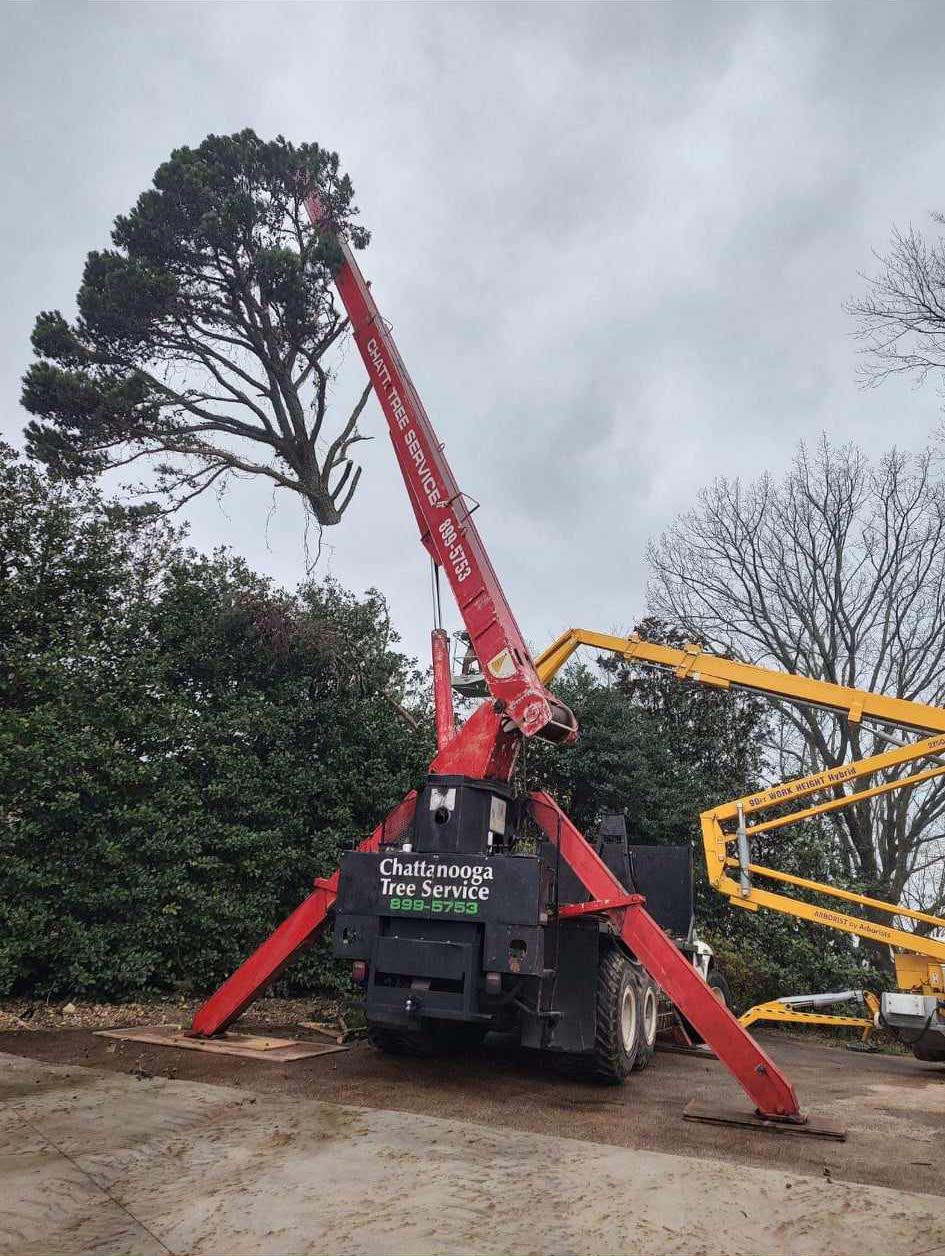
<point x="837" y="571"/>
<point x="900" y="319"/>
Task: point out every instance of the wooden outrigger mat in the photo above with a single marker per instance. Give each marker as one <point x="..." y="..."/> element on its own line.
<point x="249" y="1046"/>
<point x="813" y="1127"/>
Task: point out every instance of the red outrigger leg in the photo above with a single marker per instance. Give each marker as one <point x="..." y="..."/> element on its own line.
<point x="757" y="1074"/>
<point x="302" y="927"/>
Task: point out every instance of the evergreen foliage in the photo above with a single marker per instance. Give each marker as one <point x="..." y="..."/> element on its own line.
<point x="203" y="337"/>
<point x="183" y="747"/>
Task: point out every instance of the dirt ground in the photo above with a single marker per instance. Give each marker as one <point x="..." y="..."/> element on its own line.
<point x="108" y="1163"/>
<point x="893" y="1107"/>
<point x="267" y="1011"/>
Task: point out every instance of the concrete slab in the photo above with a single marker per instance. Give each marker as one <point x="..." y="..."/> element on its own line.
<point x="96" y="1162"/>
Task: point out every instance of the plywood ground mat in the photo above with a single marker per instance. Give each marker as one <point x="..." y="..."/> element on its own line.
<point x="250" y="1046"/>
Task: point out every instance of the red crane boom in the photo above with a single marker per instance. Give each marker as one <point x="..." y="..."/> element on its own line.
<point x="447" y="528"/>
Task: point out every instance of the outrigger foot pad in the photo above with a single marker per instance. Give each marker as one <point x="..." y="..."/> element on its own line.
<point x="813" y="1127"/>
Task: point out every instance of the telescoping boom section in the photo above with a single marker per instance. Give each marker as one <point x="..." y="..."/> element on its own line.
<point x="445" y="518"/>
<point x="452" y="919"/>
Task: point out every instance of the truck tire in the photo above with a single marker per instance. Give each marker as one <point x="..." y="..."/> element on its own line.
<point x="649" y="1018"/>
<point x="719" y="986"/>
<point x="929" y="1055"/>
<point x="617" y="1040"/>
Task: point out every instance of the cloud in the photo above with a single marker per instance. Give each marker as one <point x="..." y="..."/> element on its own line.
<point x="613" y="241"/>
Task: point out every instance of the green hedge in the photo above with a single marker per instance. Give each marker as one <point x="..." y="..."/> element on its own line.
<point x="182" y="747"/>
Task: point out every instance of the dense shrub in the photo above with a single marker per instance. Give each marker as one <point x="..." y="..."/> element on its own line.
<point x="182" y="746"/>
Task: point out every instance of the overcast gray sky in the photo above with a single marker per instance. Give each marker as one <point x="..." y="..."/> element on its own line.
<point x="613" y="242"/>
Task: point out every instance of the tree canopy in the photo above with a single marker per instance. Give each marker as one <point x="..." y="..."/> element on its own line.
<point x="900" y="317"/>
<point x="203" y="339"/>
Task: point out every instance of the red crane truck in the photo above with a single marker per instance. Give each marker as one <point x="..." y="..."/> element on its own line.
<point x="469" y="908"/>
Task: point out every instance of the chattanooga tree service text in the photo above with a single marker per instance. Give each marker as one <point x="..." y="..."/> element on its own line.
<point x="453" y="553"/>
<point x="427" y="877"/>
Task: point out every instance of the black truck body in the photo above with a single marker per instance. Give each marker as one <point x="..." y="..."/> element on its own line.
<point x="454" y="923"/>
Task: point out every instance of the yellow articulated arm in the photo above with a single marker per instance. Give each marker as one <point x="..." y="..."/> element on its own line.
<point x="717" y="839"/>
<point x="793" y="1011"/>
<point x="727" y="826"/>
<point x="784" y="1014"/>
<point x="691" y="662"/>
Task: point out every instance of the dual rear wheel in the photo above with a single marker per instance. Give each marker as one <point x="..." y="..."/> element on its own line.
<point x="627" y="1011"/>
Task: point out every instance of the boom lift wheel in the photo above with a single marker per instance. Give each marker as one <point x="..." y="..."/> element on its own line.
<point x="719" y="987"/>
<point x="619" y="1035"/>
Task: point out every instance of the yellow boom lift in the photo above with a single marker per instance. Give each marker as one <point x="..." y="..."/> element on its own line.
<point x="917" y="1012"/>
